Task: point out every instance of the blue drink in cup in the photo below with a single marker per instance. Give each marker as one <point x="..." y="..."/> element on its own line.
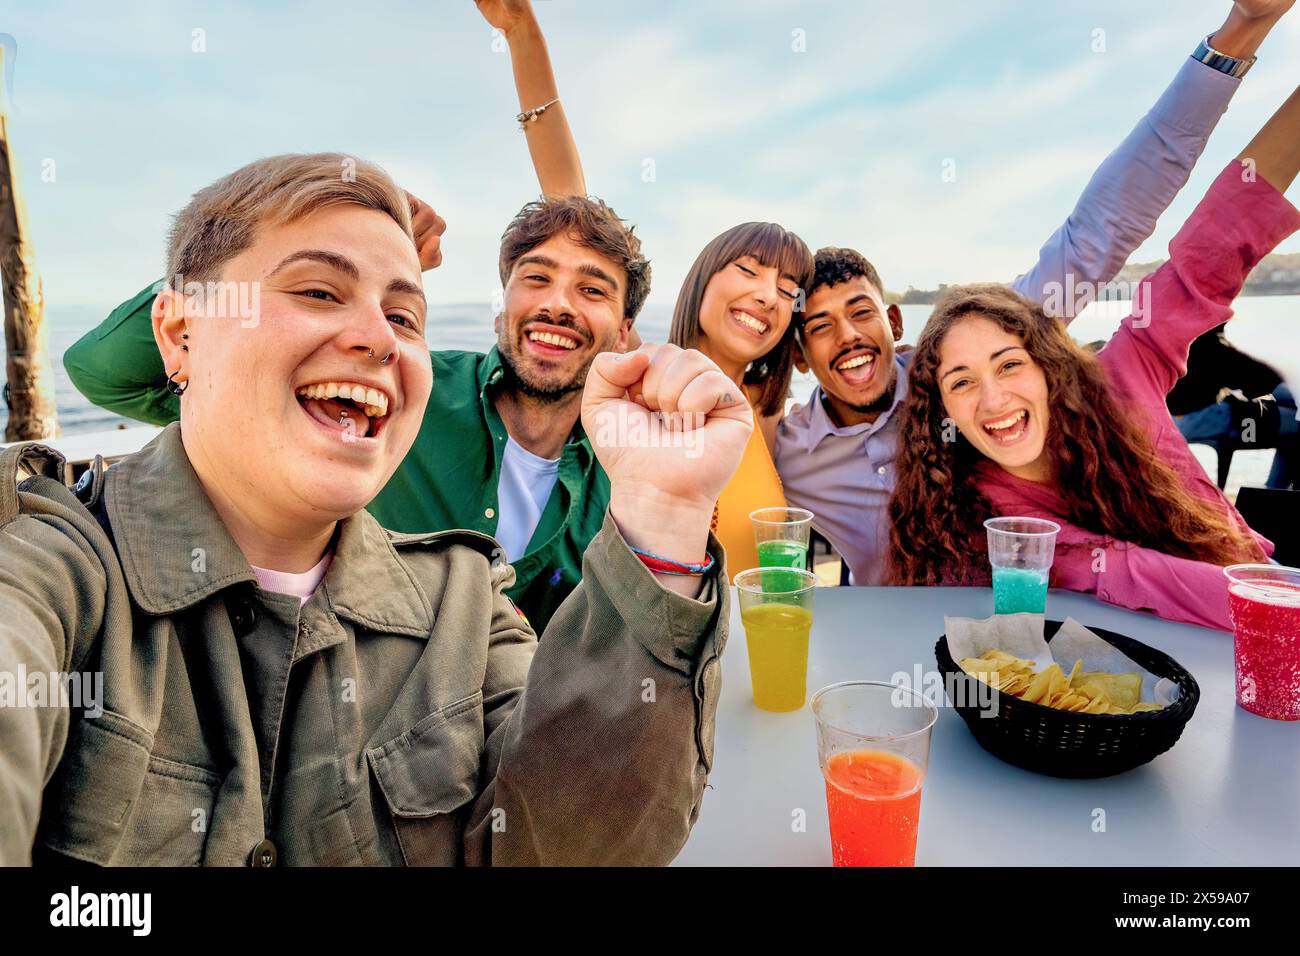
<point x="1020" y="552"/>
<point x="1019" y="589"/>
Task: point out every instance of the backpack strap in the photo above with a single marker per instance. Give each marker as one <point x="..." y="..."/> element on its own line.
<point x="20" y="461"/>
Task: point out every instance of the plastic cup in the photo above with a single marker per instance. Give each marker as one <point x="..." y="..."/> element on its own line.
<point x="873" y="744"/>
<point x="1264" y="604"/>
<point x="782" y="536"/>
<point x="1021" y="552"/>
<point x="776" y="610"/>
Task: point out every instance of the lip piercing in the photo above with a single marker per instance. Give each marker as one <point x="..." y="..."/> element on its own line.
<point x="370" y="353"/>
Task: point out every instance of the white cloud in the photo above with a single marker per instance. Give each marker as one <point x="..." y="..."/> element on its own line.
<point x="842" y="142"/>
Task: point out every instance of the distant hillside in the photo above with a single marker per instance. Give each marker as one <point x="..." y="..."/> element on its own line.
<point x="1278" y="274"/>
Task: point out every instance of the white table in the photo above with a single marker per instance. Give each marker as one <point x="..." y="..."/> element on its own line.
<point x="1228" y="793"/>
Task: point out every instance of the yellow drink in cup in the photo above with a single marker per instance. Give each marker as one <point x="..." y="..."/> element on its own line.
<point x="777" y="638"/>
<point x="776" y="611"/>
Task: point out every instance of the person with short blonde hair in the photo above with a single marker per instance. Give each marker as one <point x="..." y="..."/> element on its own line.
<point x="502" y="450"/>
<point x="314" y="688"/>
<point x="222" y="219"/>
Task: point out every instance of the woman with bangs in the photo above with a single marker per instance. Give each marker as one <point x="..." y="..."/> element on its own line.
<point x="1008" y="415"/>
<point x="736" y="304"/>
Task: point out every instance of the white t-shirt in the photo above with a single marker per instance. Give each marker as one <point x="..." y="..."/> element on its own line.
<point x="522" y="492"/>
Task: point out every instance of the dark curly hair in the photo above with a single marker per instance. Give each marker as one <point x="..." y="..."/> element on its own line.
<point x="833" y="265"/>
<point x="1106" y="468"/>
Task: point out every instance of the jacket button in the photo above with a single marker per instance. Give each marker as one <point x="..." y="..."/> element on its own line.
<point x="263" y="854"/>
<point x="242" y="618"/>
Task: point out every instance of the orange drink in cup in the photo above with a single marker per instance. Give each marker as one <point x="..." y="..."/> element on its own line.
<point x="873" y="744"/>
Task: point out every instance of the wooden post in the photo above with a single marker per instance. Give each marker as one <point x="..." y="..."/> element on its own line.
<point x="33" y="412"/>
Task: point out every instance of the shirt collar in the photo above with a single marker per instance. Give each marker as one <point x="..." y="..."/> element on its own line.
<point x="175" y="550"/>
<point x="490" y="372"/>
<point x="821" y="425"/>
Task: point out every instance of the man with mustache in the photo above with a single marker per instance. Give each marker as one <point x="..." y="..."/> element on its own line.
<point x="501" y="449"/>
<point x="836" y="454"/>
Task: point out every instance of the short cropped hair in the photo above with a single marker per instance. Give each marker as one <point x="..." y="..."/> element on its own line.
<point x="589" y="223"/>
<point x="834" y="265"/>
<point x="222" y="219"/>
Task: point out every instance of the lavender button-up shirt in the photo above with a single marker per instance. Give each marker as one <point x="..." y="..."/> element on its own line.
<point x="845" y="476"/>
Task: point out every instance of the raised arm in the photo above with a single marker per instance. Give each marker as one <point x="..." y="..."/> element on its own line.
<point x="604" y="755"/>
<point x="1134" y="185"/>
<point x="1274" y="154"/>
<point x="597" y="753"/>
<point x="550" y="141"/>
<point x="1241" y="219"/>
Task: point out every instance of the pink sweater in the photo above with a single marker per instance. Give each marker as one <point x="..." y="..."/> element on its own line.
<point x="1235" y="225"/>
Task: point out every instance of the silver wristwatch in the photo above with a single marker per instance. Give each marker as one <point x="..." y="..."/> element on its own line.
<point x="1231" y="65"/>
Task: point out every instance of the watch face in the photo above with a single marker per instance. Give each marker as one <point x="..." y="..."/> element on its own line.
<point x="1229" y="65"/>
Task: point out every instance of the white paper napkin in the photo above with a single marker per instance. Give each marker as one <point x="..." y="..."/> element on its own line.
<point x="1022" y="635"/>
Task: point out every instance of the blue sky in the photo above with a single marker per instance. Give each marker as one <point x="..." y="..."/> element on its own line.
<point x="843" y="142"/>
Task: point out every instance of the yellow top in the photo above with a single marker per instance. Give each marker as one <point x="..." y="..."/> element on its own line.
<point x="754" y="485"/>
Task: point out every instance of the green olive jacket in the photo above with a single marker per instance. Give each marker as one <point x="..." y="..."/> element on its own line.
<point x="406" y="713"/>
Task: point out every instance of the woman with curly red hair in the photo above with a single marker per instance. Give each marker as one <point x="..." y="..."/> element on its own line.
<point x="1007" y="415"/>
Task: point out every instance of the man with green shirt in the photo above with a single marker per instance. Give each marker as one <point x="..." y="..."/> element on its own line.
<point x="501" y="449"/>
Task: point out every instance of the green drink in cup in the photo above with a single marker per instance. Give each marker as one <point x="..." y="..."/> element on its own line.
<point x="1021" y="552"/>
<point x="776" y="610"/>
<point x="782" y="535"/>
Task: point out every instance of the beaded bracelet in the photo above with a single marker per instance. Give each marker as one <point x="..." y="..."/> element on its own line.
<point x="662" y="565"/>
<point x="530" y="116"/>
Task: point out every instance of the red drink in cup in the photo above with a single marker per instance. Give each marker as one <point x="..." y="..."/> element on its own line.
<point x="873" y="743"/>
<point x="873" y="799"/>
<point x="1264" y="603"/>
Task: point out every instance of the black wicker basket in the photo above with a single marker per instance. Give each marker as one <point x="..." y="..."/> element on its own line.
<point x="1063" y="743"/>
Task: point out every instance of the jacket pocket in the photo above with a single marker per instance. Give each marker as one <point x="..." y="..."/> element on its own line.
<point x="112" y="803"/>
<point x="429" y="775"/>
